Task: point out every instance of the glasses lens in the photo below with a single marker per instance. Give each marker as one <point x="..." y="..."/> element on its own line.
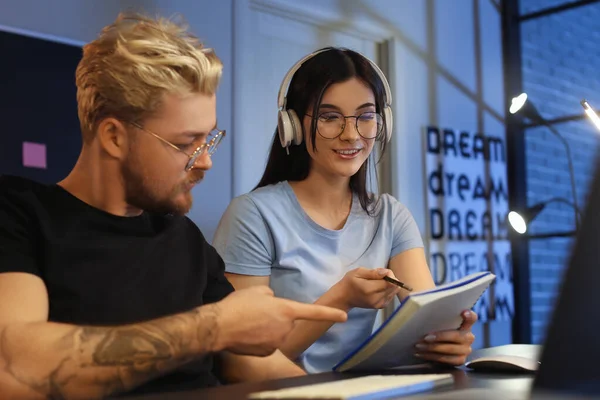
<point x="210" y="148"/>
<point x="330" y="124"/>
<point x="214" y="143"/>
<point x="369" y="125"/>
<point x="192" y="161"/>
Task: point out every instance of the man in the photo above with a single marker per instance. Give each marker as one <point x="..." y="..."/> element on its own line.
<point x="105" y="287"/>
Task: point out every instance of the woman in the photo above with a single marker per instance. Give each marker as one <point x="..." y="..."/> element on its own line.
<point x="313" y="232"/>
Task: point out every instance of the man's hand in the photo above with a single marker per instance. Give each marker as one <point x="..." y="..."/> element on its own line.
<point x="253" y="322"/>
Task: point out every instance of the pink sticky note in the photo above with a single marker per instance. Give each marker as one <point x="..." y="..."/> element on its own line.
<point x="34" y="155"/>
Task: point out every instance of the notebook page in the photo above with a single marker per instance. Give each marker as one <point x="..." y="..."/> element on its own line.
<point x="366" y="387"/>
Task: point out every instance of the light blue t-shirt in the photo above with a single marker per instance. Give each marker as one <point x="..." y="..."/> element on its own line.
<point x="267" y="233"/>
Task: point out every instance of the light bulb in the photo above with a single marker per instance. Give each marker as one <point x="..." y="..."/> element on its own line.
<point x="591" y="113"/>
<point x="517" y="103"/>
<point x="517" y="222"/>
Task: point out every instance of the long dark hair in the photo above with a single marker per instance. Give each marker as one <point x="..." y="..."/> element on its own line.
<point x="305" y="93"/>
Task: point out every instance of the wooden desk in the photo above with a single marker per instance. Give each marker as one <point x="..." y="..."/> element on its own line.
<point x="462" y="380"/>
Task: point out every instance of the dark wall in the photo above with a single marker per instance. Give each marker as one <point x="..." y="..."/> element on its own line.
<point x="560" y="67"/>
<point x="38" y="104"/>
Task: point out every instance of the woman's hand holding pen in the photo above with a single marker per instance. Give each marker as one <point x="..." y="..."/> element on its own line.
<point x="366" y="288"/>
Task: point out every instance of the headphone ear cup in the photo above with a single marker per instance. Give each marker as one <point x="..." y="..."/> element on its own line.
<point x="289" y="128"/>
<point x="389" y="122"/>
<point x="297" y="135"/>
<point x="284" y="127"/>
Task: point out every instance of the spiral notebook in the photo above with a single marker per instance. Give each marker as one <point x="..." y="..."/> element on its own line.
<point x="392" y="344"/>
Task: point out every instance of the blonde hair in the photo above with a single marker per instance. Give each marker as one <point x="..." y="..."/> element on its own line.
<point x="134" y="62"/>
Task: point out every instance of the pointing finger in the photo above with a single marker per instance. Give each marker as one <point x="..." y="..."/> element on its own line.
<point x="317" y="312"/>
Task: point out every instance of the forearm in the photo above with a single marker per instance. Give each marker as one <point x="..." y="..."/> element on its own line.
<point x="411" y="268"/>
<point x="238" y="368"/>
<point x="305" y="333"/>
<point x="51" y="360"/>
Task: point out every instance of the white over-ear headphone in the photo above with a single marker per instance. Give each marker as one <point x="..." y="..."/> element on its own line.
<point x="288" y="123"/>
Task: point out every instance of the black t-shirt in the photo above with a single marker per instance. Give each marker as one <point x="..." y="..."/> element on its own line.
<point x="101" y="269"/>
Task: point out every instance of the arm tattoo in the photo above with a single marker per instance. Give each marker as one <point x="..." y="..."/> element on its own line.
<point x="98" y="361"/>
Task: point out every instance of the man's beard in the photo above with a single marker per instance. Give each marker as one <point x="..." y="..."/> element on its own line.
<point x="143" y="192"/>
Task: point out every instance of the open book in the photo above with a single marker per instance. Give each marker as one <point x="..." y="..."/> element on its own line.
<point x="393" y="343"/>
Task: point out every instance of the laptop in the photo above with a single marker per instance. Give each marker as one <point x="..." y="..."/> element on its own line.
<point x="570" y="357"/>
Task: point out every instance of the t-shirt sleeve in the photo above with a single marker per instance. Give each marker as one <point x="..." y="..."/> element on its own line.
<point x="405" y="230"/>
<point x="17" y="238"/>
<point x="243" y="239"/>
<point x="217" y="285"/>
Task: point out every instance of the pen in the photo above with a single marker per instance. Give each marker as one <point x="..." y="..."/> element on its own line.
<point x="397" y="283"/>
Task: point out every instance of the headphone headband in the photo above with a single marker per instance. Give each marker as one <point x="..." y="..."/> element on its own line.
<point x="282" y="96"/>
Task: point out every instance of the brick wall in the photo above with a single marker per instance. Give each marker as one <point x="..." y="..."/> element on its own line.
<point x="561" y="65"/>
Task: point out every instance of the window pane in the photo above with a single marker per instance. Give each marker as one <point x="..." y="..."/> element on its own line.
<point x="529" y="6"/>
<point x="561" y="55"/>
<point x="548" y="177"/>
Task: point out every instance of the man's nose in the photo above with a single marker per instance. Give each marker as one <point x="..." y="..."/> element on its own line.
<point x="203" y="162"/>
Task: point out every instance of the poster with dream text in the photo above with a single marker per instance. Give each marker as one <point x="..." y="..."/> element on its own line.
<point x="467" y="203"/>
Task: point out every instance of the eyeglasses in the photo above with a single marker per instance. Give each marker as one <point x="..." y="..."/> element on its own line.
<point x="331" y="124"/>
<point x="213" y="140"/>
